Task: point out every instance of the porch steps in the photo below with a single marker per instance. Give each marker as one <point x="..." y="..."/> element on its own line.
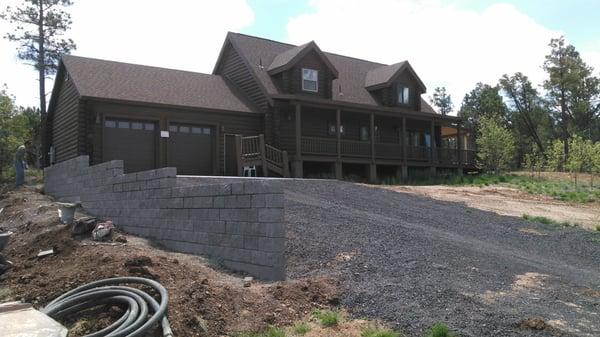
<point x="253" y="151"/>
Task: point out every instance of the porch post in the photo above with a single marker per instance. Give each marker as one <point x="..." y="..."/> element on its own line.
<point x="372" y="166"/>
<point x="404" y="151"/>
<point x="459" y="146"/>
<point x="338" y="136"/>
<point x="298" y="157"/>
<point x="433" y="149"/>
<point x="238" y="155"/>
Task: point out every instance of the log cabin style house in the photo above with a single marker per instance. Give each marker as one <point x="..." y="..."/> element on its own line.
<point x="286" y="110"/>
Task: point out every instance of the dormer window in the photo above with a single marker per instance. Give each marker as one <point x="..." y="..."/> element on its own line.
<point x="403" y="95"/>
<point x="310" y="79"/>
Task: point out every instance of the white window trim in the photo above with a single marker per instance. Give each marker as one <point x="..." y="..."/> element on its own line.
<point x="316" y="82"/>
<point x="400" y="91"/>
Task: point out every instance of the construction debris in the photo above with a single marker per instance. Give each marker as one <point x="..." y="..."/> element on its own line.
<point x="84" y="225"/>
<point x="21" y="319"/>
<point x="103" y="231"/>
<point x="45" y="253"/>
<point x="248" y="281"/>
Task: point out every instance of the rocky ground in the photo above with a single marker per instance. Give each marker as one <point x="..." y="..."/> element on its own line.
<point x="204" y="301"/>
<point x="510" y="201"/>
<point x="412" y="260"/>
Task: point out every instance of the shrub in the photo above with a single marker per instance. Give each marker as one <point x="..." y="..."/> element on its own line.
<point x="439" y="330"/>
<point x="326" y="317"/>
<point x="273" y="332"/>
<point x="301" y="329"/>
<point x="373" y="332"/>
<point x="495" y="145"/>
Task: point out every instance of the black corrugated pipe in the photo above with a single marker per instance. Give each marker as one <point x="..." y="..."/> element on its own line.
<point x="134" y="323"/>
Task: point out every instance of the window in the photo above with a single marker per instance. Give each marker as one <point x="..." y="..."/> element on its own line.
<point x="149" y="126"/>
<point x="196" y="130"/>
<point x="172" y="128"/>
<point x="136" y="125"/>
<point x="110" y="124"/>
<point x="184" y="129"/>
<point x="123" y="125"/>
<point x="364" y="133"/>
<point x="403" y="95"/>
<point x="310" y="79"/>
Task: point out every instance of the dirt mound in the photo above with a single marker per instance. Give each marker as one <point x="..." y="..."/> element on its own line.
<point x="203" y="301"/>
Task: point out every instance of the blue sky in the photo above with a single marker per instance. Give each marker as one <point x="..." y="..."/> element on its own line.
<point x="578" y="19"/>
<point x="450" y="43"/>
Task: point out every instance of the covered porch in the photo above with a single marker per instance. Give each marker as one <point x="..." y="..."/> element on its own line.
<point x="312" y="133"/>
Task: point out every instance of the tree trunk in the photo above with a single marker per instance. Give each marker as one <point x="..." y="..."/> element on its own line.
<point x="41" y="66"/>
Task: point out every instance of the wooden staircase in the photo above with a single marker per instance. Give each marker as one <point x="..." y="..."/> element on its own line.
<point x="252" y="151"/>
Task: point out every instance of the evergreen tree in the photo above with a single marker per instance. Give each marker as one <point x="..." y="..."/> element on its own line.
<point x="442" y="100"/>
<point x="483" y="101"/>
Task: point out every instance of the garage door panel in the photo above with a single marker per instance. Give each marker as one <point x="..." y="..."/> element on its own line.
<point x="133" y="141"/>
<point x="191" y="149"/>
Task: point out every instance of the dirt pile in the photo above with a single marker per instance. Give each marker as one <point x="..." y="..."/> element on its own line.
<point x="204" y="301"/>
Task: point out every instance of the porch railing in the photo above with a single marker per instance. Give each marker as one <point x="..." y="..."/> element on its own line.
<point x="447" y="156"/>
<point x="353" y="148"/>
<point x="252" y="151"/>
<point x="418" y="153"/>
<point x="319" y="146"/>
<point x="388" y="151"/>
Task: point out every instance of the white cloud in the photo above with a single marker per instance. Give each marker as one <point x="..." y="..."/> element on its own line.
<point x="447" y="46"/>
<point x="180" y="34"/>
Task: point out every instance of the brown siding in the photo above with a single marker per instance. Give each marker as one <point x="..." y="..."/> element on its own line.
<point x="292" y="79"/>
<point x="234" y="69"/>
<point x="223" y="122"/>
<point x="66" y="133"/>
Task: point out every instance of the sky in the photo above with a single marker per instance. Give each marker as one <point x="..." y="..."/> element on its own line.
<point x="451" y="43"/>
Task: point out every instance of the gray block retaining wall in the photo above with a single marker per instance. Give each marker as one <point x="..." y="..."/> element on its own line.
<point x="239" y="223"/>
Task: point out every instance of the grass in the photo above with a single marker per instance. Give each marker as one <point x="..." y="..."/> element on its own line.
<point x="560" y="189"/>
<point x="546" y="221"/>
<point x="375" y="332"/>
<point x="326" y="317"/>
<point x="269" y="332"/>
<point x="301" y="329"/>
<point x="439" y="330"/>
<point x="597" y="228"/>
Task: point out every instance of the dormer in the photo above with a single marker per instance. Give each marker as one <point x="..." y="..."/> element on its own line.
<point x="303" y="70"/>
<point x="396" y="85"/>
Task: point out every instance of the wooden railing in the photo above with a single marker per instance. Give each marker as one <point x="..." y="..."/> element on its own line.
<point x="354" y="148"/>
<point x="391" y="151"/>
<point x="319" y="146"/>
<point x="388" y="151"/>
<point x="447" y="156"/>
<point x="418" y="153"/>
<point x="252" y="151"/>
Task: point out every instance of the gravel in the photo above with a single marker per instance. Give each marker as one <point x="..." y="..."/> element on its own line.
<point x="413" y="261"/>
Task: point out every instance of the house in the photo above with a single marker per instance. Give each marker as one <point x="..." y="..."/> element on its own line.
<point x="287" y="109"/>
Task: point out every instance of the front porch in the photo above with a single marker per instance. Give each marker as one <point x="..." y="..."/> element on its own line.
<point x="312" y="133"/>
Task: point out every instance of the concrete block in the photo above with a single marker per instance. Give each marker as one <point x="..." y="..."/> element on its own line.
<point x="198" y="202"/>
<point x="267" y="244"/>
<point x="270" y="215"/>
<point x="274" y="200"/>
<point x="258" y="200"/>
<point x="262" y="272"/>
<point x="204" y="214"/>
<point x="208" y="226"/>
<point x="251" y="242"/>
<point x="238" y="214"/>
<point x="260" y="186"/>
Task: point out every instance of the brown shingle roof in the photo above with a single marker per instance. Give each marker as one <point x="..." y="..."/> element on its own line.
<point x="289" y="57"/>
<point x="138" y="83"/>
<point x="286" y="57"/>
<point x="384" y="76"/>
<point x="352" y="72"/>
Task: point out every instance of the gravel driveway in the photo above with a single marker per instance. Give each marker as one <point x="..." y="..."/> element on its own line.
<point x="413" y="261"/>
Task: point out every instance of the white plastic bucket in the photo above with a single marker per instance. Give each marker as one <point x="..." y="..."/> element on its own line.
<point x="66" y="212"/>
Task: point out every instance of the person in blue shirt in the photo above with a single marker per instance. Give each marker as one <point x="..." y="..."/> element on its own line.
<point x="21" y="163"/>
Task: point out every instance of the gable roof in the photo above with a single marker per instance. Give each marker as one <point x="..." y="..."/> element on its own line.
<point x="348" y="87"/>
<point x="288" y="58"/>
<point x="94" y="78"/>
<point x="384" y="76"/>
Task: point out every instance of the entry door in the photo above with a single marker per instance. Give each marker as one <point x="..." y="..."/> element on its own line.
<point x="191" y="148"/>
<point x="230" y="156"/>
<point x="133" y="141"/>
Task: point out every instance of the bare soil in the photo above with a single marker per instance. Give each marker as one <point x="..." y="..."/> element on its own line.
<point x="510" y="201"/>
<point x="204" y="300"/>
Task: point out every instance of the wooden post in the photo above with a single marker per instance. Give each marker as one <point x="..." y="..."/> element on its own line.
<point x="238" y="155"/>
<point x="403" y="139"/>
<point x="432" y="140"/>
<point x="372" y="167"/>
<point x="286" y="164"/>
<point x="263" y="155"/>
<point x="338" y="136"/>
<point x="298" y="158"/>
<point x="459" y="146"/>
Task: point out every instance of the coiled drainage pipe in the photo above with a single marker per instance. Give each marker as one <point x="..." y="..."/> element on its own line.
<point x="134" y="323"/>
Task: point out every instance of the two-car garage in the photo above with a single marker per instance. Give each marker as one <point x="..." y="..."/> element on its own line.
<point x="189" y="147"/>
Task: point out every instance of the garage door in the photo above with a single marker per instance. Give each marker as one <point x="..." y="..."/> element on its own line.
<point x="191" y="148"/>
<point x="133" y="141"/>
